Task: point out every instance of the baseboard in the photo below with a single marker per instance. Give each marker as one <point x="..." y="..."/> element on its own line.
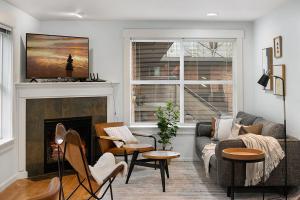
<point x="8" y="182"/>
<point x="18" y="175"/>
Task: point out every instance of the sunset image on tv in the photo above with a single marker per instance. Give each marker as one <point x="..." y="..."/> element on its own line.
<point x="57" y="56"/>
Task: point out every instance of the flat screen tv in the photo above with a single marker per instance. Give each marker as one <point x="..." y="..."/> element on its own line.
<point x="54" y="56"/>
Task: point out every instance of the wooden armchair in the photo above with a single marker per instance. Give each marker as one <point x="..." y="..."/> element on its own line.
<point x="107" y="145"/>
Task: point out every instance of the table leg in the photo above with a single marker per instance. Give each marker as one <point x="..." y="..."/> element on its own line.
<point x="134" y="158"/>
<point x="162" y="164"/>
<point x="167" y="169"/>
<point x="232" y="181"/>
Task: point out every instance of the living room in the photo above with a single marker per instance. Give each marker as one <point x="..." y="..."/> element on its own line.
<point x="112" y="71"/>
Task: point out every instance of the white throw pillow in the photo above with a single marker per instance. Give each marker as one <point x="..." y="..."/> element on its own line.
<point x="123" y="133"/>
<point x="223" y="128"/>
<point x="235" y="131"/>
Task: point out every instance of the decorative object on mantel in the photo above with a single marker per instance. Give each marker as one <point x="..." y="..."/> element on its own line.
<point x="278" y="47"/>
<point x="278" y="71"/>
<point x="95" y="78"/>
<point x="168" y="117"/>
<point x="267" y="64"/>
<point x="264" y="82"/>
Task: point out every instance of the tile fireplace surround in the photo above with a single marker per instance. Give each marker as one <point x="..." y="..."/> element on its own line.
<point x="25" y="91"/>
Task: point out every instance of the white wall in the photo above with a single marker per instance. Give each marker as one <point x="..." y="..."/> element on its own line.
<point x="21" y="23"/>
<point x="284" y="21"/>
<point x="106" y="43"/>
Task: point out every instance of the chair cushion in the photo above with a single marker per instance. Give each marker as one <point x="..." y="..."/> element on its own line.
<point x="120" y="151"/>
<point x="105" y="144"/>
<point x="121" y="132"/>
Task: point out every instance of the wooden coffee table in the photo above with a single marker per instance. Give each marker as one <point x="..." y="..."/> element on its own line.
<point x="162" y="157"/>
<point x="245" y="155"/>
<point x="150" y="156"/>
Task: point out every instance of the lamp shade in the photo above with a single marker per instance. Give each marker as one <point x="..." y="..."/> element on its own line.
<point x="264" y="80"/>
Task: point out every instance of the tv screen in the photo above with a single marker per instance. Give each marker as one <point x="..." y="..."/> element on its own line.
<point x="53" y="56"/>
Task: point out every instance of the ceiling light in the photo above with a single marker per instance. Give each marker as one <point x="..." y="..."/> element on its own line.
<point x="79" y="15"/>
<point x="212" y="14"/>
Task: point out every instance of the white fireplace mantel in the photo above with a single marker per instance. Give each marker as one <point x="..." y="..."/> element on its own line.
<point x="26" y="91"/>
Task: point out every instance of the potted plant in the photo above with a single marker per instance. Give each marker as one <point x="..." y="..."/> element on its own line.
<point x="168" y="118"/>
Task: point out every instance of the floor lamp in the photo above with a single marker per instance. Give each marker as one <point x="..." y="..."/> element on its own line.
<point x="264" y="82"/>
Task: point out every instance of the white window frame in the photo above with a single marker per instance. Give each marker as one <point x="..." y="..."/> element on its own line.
<point x="162" y="35"/>
<point x="6" y="93"/>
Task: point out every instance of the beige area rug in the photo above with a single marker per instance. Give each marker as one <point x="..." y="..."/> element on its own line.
<point x="187" y="182"/>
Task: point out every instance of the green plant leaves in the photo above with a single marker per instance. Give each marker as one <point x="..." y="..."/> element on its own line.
<point x="168" y="118"/>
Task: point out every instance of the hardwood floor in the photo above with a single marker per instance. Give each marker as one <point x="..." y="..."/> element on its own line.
<point x="187" y="182"/>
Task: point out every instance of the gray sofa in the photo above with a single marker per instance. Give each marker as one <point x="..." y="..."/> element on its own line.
<point x="220" y="170"/>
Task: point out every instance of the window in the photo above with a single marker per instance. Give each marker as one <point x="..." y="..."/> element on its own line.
<point x="196" y="75"/>
<point x="5" y="82"/>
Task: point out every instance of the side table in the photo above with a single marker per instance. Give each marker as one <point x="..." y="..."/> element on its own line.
<point x="244" y="155"/>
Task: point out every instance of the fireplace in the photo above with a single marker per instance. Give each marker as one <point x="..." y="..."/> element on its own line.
<point x="42" y="115"/>
<point x="81" y="124"/>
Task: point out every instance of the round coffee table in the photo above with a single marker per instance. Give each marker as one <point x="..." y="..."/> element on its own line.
<point x="245" y="155"/>
<point x="161" y="157"/>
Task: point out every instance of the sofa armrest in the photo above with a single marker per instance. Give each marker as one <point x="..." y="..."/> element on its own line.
<point x="224" y="166"/>
<point x="293" y="158"/>
<point x="203" y="129"/>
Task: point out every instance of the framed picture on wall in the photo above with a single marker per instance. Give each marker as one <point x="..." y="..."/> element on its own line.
<point x="278" y="47"/>
<point x="278" y="70"/>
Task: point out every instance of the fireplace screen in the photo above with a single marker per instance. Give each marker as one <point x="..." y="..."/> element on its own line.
<point x="82" y="125"/>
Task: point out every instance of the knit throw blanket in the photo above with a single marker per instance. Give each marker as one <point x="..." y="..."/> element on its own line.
<point x="207" y="152"/>
<point x="273" y="155"/>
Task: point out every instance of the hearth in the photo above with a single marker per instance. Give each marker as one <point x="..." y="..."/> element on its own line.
<point x="81" y="124"/>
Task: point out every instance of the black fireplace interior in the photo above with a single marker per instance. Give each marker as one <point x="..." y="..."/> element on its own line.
<point x="82" y="125"/>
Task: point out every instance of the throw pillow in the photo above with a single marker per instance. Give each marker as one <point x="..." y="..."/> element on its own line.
<point x="235" y="131"/>
<point x="255" y="129"/>
<point x="223" y="129"/>
<point x="213" y="126"/>
<point x="123" y="133"/>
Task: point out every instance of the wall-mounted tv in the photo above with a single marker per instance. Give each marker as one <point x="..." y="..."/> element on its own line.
<point x="54" y="56"/>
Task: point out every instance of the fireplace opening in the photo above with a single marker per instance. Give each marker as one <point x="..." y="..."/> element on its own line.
<point x="82" y="125"/>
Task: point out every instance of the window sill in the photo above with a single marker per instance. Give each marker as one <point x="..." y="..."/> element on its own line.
<point x="182" y="126"/>
<point x="6" y="144"/>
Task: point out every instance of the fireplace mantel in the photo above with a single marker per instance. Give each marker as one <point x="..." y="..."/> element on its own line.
<point x="26" y="91"/>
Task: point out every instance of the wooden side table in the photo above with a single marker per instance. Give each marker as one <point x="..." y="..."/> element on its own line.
<point x="244" y="155"/>
<point x="162" y="157"/>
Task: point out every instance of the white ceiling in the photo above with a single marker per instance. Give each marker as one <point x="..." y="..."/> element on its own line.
<point x="236" y="10"/>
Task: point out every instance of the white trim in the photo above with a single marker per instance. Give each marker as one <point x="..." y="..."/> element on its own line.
<point x="181" y="76"/>
<point x="2" y="135"/>
<point x="235" y="36"/>
<point x="6" y="144"/>
<point x="139" y="34"/>
<point x="149" y="82"/>
<point x="6" y="27"/>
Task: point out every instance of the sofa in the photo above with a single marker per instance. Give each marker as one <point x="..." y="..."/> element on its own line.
<point x="220" y="169"/>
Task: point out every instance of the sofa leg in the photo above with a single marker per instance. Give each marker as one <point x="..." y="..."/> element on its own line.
<point x="228" y="191"/>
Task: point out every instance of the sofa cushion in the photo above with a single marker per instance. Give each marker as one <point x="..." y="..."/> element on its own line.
<point x="246" y="119"/>
<point x="204" y="130"/>
<point x="270" y="128"/>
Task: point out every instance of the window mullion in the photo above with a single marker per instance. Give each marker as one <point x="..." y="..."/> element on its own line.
<point x="181" y="78"/>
